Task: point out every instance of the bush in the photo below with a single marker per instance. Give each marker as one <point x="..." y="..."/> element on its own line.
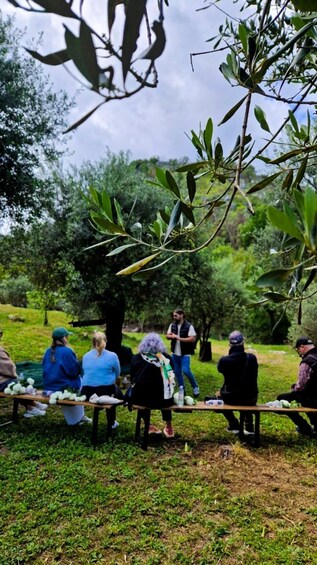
<point x="14" y="291"/>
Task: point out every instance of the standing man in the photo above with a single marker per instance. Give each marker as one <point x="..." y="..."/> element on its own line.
<point x="183" y="337"/>
<point x="240" y="371"/>
<point x="305" y="389"/>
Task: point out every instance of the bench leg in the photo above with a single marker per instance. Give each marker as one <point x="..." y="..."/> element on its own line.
<point x="94" y="433"/>
<point x="138" y="426"/>
<point x="256" y="437"/>
<point x="110" y="421"/>
<point x="144" y="415"/>
<point x="241" y="426"/>
<point x="256" y="442"/>
<point x="146" y="419"/>
<point x="15" y="411"/>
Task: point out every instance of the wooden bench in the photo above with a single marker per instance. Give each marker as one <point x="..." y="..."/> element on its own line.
<point x="41" y="398"/>
<point x="144" y="413"/>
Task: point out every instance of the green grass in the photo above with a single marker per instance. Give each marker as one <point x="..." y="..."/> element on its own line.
<point x="203" y="498"/>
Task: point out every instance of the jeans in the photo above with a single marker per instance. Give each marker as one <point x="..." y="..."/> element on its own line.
<point x="181" y="365"/>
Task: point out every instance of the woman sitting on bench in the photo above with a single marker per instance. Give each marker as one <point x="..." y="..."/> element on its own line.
<point x="61" y="371"/>
<point x="8" y="374"/>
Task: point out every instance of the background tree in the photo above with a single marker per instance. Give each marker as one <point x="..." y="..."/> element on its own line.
<point x="32" y="118"/>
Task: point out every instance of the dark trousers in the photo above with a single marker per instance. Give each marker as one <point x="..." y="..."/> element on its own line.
<point x="109" y="390"/>
<point x="248" y="416"/>
<point x="166" y="415"/>
<point x="297" y="418"/>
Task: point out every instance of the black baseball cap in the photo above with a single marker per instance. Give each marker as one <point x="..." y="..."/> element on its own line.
<point x="303" y="341"/>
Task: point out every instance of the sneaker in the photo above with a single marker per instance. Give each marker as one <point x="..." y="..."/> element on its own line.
<point x="41" y="405"/>
<point x="232" y="430"/>
<point x="154" y="430"/>
<point x="305" y="431"/>
<point x="196" y="391"/>
<point x="249" y="432"/>
<point x="115" y="425"/>
<point x="85" y="420"/>
<point x="33" y="411"/>
<point x="168" y="432"/>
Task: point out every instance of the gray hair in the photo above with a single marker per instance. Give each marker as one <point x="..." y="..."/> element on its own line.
<point x="152" y="343"/>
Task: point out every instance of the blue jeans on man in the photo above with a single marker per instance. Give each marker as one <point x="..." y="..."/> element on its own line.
<point x="181" y="364"/>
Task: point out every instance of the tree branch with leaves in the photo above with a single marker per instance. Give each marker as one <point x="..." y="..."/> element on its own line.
<point x="270" y="53"/>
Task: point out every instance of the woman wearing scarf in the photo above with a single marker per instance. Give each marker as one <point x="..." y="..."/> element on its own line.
<point x="153" y="380"/>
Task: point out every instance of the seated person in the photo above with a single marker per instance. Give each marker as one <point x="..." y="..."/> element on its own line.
<point x="304" y="390"/>
<point x="153" y="380"/>
<point x="240" y="371"/>
<point x="101" y="369"/>
<point x="8" y="375"/>
<point x="61" y="371"/>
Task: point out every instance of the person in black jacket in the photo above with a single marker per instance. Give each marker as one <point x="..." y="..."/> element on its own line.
<point x="304" y="390"/>
<point x="152" y="379"/>
<point x="240" y="371"/>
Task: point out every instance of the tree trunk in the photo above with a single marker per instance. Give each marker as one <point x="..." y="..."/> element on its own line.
<point x="205" y="353"/>
<point x="114" y="317"/>
<point x="205" y="345"/>
<point x="45" y="317"/>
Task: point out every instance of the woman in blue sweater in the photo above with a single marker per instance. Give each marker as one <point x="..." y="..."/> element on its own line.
<point x="101" y="368"/>
<point x="61" y="370"/>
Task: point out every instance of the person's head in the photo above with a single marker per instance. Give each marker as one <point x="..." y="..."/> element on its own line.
<point x="99" y="342"/>
<point x="236" y="339"/>
<point x="60" y="336"/>
<point x="152" y="343"/>
<point x="303" y="345"/>
<point x="178" y="315"/>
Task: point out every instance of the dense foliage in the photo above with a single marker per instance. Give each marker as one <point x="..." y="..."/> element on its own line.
<point x="32" y="118"/>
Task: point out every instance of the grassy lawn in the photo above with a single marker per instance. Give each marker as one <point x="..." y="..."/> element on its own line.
<point x="202" y="498"/>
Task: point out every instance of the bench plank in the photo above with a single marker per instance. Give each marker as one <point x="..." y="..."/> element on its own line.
<point x="144" y="413"/>
<point x="65" y="402"/>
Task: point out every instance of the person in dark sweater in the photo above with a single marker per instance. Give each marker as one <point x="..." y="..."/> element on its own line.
<point x="152" y="380"/>
<point x="240" y="371"/>
<point x="304" y="390"/>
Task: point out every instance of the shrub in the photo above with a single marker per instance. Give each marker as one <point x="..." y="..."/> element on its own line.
<point x="14" y="291"/>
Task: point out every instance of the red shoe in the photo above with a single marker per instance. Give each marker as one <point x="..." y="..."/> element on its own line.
<point x="154" y="430"/>
<point x="168" y="432"/>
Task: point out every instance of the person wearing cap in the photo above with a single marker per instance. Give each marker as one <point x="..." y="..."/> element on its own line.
<point x="61" y="371"/>
<point x="304" y="390"/>
<point x="240" y="371"/>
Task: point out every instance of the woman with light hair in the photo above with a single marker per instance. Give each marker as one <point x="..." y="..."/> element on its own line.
<point x="152" y="380"/>
<point x="101" y="368"/>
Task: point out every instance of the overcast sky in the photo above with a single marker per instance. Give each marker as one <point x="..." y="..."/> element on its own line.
<point x="155" y="121"/>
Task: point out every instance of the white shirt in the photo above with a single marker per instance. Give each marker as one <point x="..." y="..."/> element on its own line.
<point x="191" y="333"/>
